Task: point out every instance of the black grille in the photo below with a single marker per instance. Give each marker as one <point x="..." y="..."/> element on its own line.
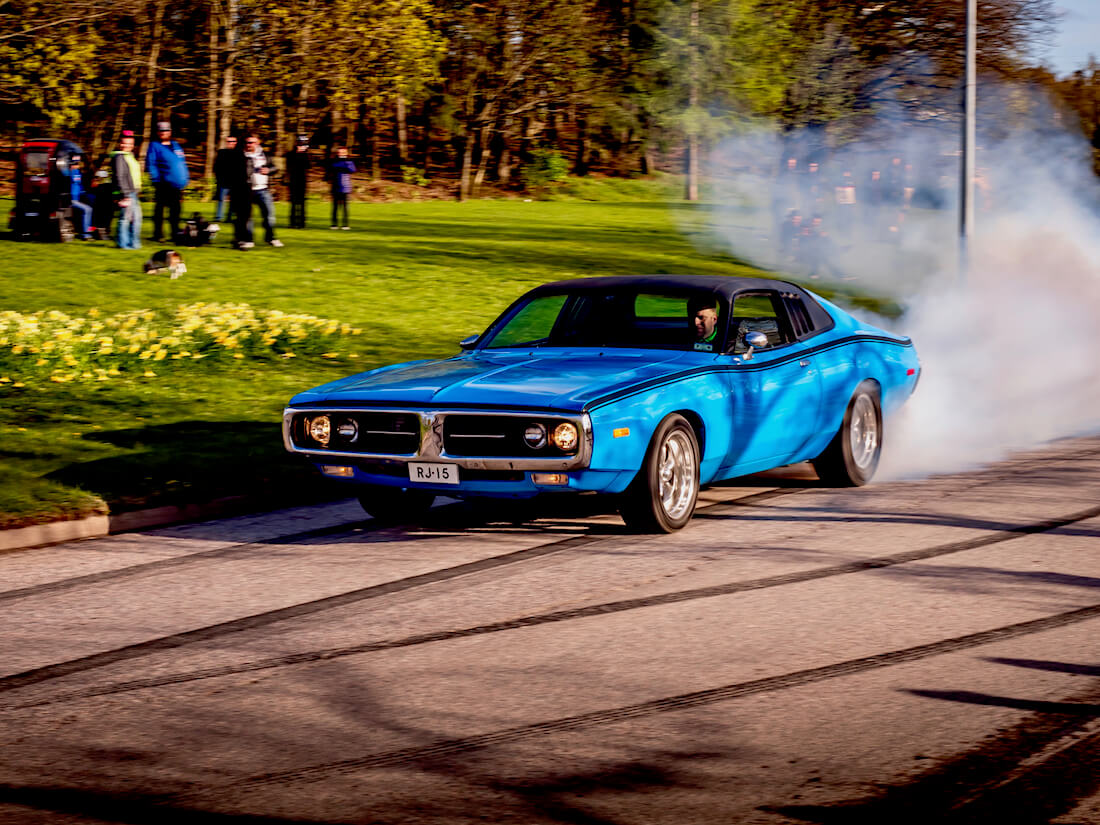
<point x="382" y="433"/>
<point x="496" y="436"/>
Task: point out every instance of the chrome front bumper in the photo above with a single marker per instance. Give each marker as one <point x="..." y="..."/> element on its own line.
<point x="431" y="441"/>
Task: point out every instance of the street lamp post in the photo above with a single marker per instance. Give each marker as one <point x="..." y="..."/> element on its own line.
<point x="966" y="185"/>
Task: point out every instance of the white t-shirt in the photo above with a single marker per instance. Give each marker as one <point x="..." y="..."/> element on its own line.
<point x="259" y="161"/>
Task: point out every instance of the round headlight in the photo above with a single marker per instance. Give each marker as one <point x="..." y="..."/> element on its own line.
<point x="565" y="437"/>
<point x="535" y="436"/>
<point x="347" y="429"/>
<point x="320" y="429"/>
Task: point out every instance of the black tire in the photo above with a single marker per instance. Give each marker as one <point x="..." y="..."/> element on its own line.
<point x="662" y="497"/>
<point x="852" y="456"/>
<point x="397" y="505"/>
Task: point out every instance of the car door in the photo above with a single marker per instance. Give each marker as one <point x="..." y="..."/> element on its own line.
<point x="774" y="392"/>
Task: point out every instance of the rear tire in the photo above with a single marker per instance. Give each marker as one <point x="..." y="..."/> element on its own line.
<point x="397" y="505"/>
<point x="662" y="497"/>
<point x="852" y="456"/>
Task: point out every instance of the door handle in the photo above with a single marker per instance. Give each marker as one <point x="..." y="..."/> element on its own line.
<point x="805" y="362"/>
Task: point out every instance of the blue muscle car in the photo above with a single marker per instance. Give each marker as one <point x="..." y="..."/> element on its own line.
<point x="638" y="387"/>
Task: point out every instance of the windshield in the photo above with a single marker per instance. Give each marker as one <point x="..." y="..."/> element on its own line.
<point x="639" y="319"/>
<point x="37" y="163"/>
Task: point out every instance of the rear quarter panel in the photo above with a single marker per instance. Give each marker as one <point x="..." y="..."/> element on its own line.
<point x="854" y="352"/>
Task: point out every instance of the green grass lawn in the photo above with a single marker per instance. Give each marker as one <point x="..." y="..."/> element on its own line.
<point x="414" y="277"/>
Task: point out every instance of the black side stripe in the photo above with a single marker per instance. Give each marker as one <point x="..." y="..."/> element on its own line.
<point x="749" y="367"/>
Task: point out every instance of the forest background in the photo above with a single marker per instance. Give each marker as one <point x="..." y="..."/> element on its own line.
<point x="510" y="93"/>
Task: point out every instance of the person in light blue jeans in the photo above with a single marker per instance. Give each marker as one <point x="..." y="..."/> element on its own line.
<point x="129" y="225"/>
<point x="126" y="179"/>
<point x="260" y="170"/>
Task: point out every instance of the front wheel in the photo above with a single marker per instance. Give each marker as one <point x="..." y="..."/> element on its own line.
<point x="396" y="504"/>
<point x="852" y="456"/>
<point x="661" y="499"/>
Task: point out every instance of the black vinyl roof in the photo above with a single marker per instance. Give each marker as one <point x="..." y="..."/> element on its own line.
<point x="724" y="287"/>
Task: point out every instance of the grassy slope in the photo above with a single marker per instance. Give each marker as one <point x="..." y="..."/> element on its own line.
<point x="417" y="277"/>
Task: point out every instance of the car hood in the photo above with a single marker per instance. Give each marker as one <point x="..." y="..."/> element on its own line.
<point x="553" y="379"/>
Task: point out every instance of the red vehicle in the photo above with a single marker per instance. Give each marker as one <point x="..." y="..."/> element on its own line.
<point x="43" y="191"/>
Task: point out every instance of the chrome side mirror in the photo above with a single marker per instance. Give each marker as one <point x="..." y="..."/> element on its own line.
<point x="469" y="341"/>
<point x="755" y="341"/>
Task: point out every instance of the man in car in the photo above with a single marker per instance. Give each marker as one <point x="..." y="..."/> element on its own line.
<point x="703" y="316"/>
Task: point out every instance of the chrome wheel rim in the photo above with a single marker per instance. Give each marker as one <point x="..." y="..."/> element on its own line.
<point x="863" y="433"/>
<point x="676" y="481"/>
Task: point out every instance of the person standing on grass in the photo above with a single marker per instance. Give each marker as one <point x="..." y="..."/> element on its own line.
<point x="223" y="170"/>
<point x="126" y="183"/>
<point x="259" y="177"/>
<point x="81" y="211"/>
<point x="297" y="172"/>
<point x="340" y="171"/>
<point x="238" y="180"/>
<point x="167" y="168"/>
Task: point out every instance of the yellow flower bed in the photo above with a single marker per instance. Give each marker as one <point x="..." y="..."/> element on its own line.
<point x="53" y="346"/>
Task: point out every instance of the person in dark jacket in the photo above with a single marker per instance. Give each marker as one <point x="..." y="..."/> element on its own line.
<point x="222" y="166"/>
<point x="297" y="172"/>
<point x="126" y="186"/>
<point x="340" y="171"/>
<point x="167" y="168"/>
<point x="102" y="200"/>
<point x="238" y="180"/>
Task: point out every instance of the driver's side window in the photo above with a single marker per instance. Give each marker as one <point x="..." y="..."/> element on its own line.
<point x="757" y="312"/>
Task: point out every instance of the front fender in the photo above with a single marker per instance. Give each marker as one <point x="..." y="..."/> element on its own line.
<point x="623" y="428"/>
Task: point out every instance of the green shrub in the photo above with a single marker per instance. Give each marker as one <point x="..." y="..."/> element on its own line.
<point x="414" y="176"/>
<point x="546" y="168"/>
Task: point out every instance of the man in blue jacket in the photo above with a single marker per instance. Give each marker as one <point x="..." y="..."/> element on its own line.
<point x="167" y="168"/>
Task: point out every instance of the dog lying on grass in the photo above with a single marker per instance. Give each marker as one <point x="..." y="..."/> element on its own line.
<point x="166" y="260"/>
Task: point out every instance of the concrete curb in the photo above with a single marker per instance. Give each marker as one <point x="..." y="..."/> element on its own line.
<point x="54" y="533"/>
<point x="58" y="532"/>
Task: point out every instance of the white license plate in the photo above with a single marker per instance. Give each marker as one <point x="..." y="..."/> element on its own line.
<point x="434" y="473"/>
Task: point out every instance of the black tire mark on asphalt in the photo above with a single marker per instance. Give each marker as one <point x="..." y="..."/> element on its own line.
<point x="175" y="640"/>
<point x="607" y="608"/>
<point x="1026" y="775"/>
<point x="350" y="528"/>
<point x="685" y="701"/>
<point x="228" y="551"/>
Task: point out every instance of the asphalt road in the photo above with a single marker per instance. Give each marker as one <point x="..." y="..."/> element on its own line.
<point x="906" y="652"/>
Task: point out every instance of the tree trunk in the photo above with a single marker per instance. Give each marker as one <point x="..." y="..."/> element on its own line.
<point x="691" y="191"/>
<point x="212" y="98"/>
<point x="580" y="162"/>
<point x="375" y="152"/>
<point x="156" y="34"/>
<point x="225" y="121"/>
<point x="467" y="161"/>
<point x="306" y="89"/>
<point x="280" y="134"/>
<point x="426" y="137"/>
<point x="402" y="131"/>
<point x="504" y="164"/>
<point x="483" y="161"/>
